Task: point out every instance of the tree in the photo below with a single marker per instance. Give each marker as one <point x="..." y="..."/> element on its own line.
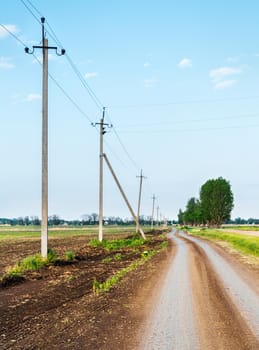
<point x="180" y="216"/>
<point x="94" y="218"/>
<point x="192" y="214"/>
<point x="217" y="201"/>
<point x="35" y="220"/>
<point x="54" y="220"/>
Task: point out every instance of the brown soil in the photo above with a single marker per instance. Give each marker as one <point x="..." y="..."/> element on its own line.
<point x="220" y="324"/>
<point x="57" y="309"/>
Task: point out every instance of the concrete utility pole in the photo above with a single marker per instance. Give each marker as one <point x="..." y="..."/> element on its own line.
<point x="153" y="209"/>
<point x="141" y="177"/>
<point x="44" y="198"/>
<point x="102" y="132"/>
<point x="124" y="196"/>
<point x="157" y="215"/>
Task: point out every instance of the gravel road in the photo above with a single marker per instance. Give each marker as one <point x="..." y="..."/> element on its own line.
<point x="204" y="303"/>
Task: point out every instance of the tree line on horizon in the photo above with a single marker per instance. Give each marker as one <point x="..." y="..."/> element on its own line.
<point x="212" y="208"/>
<point x="86" y="219"/>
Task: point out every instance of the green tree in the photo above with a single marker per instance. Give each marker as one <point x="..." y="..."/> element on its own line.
<point x="217" y="201"/>
<point x="192" y="214"/>
<point x="180" y="216"/>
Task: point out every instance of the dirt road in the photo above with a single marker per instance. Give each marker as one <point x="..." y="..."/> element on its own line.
<point x="192" y="295"/>
<point x="207" y="302"/>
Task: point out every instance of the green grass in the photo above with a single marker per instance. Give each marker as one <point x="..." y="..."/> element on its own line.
<point x="248" y="245"/>
<point x="69" y="255"/>
<point x="105" y="286"/>
<point x="30" y="263"/>
<point x="117" y="244"/>
<point x="17" y="232"/>
<point x="241" y="227"/>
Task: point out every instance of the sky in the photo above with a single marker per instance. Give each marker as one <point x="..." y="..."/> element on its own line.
<point x="180" y="83"/>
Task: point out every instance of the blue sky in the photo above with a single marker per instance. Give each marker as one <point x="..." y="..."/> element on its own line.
<point x="180" y="83"/>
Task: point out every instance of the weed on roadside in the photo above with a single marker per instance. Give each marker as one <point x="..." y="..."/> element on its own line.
<point x="69" y="255"/>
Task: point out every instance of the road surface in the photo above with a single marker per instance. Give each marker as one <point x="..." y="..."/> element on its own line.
<point x="204" y="303"/>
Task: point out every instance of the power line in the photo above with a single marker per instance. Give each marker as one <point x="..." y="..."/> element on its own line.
<point x="144" y="105"/>
<point x="191" y="120"/>
<point x="52" y="34"/>
<point x="91" y="93"/>
<point x="34" y="7"/>
<point x="31" y="12"/>
<point x="65" y="93"/>
<point x="186" y="130"/>
<point x="13" y="35"/>
<point x="123" y="146"/>
<point x="84" y="83"/>
<point x="51" y="76"/>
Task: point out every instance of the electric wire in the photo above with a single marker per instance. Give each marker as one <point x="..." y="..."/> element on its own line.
<point x="13" y="35"/>
<point x="91" y="93"/>
<point x="223" y="99"/>
<point x="52" y="78"/>
<point x="52" y="34"/>
<point x="137" y="167"/>
<point x="253" y="115"/>
<point x="190" y="130"/>
<point x="34" y="7"/>
<point x="79" y="75"/>
<point x="31" y="12"/>
<point x="65" y="93"/>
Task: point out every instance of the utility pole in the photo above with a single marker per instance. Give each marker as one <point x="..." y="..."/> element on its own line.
<point x="102" y="132"/>
<point x="44" y="195"/>
<point x="153" y="209"/>
<point x="141" y="177"/>
<point x="157" y="216"/>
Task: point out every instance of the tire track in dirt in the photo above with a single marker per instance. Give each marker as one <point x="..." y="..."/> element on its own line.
<point x="244" y="297"/>
<point x="171" y="325"/>
<point x="219" y="322"/>
<point x="194" y="309"/>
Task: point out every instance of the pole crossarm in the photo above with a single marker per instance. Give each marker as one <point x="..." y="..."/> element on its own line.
<point x="44" y="46"/>
<point x="124" y="196"/>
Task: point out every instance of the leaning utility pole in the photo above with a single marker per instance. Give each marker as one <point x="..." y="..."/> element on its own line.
<point x="124" y="196"/>
<point x="141" y="177"/>
<point x="44" y="198"/>
<point x="102" y="132"/>
<point x="153" y="209"/>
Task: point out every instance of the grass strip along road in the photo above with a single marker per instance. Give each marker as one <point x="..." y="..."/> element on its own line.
<point x="245" y="244"/>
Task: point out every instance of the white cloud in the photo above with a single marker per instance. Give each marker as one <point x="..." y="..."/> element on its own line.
<point x="185" y="63"/>
<point x="149" y="83"/>
<point x="224" y="84"/>
<point x="220" y="73"/>
<point x="147" y="64"/>
<point x="90" y="75"/>
<point x="5" y="63"/>
<point x="32" y="97"/>
<point x="11" y="28"/>
<point x="219" y="77"/>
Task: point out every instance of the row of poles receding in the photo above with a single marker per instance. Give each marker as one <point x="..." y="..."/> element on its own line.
<point x="102" y="155"/>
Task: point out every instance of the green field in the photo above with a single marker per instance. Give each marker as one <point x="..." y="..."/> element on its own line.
<point x="241" y="227"/>
<point x="248" y="245"/>
<point x="16" y="232"/>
